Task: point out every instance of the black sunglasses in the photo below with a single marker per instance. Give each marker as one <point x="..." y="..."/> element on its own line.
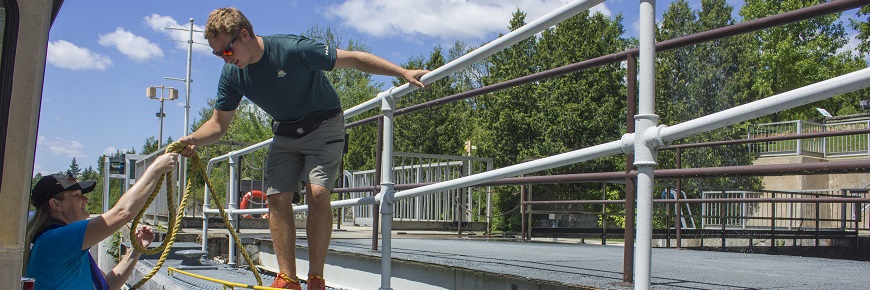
<point x="226" y="51"/>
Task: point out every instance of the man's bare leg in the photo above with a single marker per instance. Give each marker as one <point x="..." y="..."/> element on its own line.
<point x="318" y="228"/>
<point x="282" y="224"/>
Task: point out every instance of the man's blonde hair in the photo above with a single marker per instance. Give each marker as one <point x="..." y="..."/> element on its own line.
<point x="227" y="20"/>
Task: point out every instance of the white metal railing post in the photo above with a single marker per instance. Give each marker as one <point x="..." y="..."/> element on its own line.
<point x="469" y="195"/>
<point x="205" y="208"/>
<point x="743" y="211"/>
<point x="420" y="200"/>
<point x="824" y="143"/>
<point x="799" y="150"/>
<point x="385" y="197"/>
<point x="489" y="165"/>
<point x="231" y="205"/>
<point x="644" y="147"/>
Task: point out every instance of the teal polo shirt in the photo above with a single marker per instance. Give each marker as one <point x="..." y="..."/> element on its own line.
<point x="288" y="82"/>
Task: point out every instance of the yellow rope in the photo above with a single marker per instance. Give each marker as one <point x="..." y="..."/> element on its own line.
<point x="197" y="170"/>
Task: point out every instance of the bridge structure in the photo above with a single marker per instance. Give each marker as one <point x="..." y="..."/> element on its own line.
<point x="388" y="266"/>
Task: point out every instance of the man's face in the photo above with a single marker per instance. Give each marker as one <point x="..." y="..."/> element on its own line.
<point x="230" y="49"/>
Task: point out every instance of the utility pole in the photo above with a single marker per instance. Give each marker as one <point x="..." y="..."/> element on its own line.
<point x="182" y="176"/>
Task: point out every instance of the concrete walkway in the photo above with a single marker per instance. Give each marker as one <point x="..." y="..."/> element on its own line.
<point x="601" y="266"/>
<point x="590" y="265"/>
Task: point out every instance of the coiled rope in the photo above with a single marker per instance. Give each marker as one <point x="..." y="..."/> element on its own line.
<point x="175" y="215"/>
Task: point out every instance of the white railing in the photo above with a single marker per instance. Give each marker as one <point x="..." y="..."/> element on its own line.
<point x="827" y="147"/>
<point x="649" y="135"/>
<point x="410" y="168"/>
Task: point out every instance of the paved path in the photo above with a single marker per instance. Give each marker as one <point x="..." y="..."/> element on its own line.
<point x="601" y="266"/>
<point x="593" y="265"/>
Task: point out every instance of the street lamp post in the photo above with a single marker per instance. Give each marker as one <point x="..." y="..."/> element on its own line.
<point x="151" y="92"/>
<point x="182" y="176"/>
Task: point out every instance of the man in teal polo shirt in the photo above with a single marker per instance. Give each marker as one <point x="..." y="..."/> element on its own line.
<point x="283" y="75"/>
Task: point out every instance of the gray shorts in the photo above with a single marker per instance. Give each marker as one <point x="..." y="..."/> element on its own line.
<point x="314" y="158"/>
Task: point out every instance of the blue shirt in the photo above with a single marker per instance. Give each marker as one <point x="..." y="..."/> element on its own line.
<point x="57" y="260"/>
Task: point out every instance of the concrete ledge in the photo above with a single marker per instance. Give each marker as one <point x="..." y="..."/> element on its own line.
<point x="363" y="272"/>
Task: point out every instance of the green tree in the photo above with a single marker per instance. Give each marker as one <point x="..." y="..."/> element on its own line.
<point x="353" y="87"/>
<point x="797" y="54"/>
<point x="150" y="145"/>
<point x="508" y="120"/>
<point x="702" y="79"/>
<point x="95" y="199"/>
<point x="435" y="130"/>
<point x="74" y="168"/>
<point x="583" y="108"/>
<point x="35" y="179"/>
<point x="863" y="28"/>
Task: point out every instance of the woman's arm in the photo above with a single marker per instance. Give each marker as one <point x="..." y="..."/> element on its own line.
<point x="122" y="271"/>
<point x="130" y="202"/>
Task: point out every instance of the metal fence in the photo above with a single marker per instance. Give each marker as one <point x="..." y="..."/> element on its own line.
<point x="158" y="211"/>
<point x="835" y="146"/>
<point x="784" y="215"/>
<point x="444" y="206"/>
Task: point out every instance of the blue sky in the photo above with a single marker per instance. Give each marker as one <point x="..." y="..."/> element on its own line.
<point x="104" y="54"/>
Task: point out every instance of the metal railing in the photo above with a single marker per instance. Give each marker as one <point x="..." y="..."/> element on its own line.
<point x="414" y="168"/>
<point x="827" y="147"/>
<point x="777" y="216"/>
<point x="648" y="137"/>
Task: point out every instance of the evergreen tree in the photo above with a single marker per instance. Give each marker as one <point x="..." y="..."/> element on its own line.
<point x="74" y="168"/>
<point x="353" y="87"/>
<point x="35" y="179"/>
<point x="583" y="108"/>
<point x="508" y="121"/>
<point x="150" y="145"/>
<point x="435" y="130"/>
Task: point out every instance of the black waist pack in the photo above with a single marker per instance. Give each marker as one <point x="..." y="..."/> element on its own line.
<point x="300" y="127"/>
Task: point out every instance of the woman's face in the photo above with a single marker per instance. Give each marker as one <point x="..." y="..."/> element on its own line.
<point x="73" y="205"/>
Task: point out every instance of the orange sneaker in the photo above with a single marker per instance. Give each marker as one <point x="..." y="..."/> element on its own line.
<point x="284" y="282"/>
<point x="316" y="282"/>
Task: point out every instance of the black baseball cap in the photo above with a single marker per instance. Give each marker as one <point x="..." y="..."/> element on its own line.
<point x="50" y="185"/>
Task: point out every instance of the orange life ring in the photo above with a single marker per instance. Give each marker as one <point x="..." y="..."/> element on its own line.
<point x="248" y="199"/>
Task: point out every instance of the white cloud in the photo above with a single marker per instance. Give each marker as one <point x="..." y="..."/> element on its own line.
<point x="444" y="19"/>
<point x="62" y="147"/>
<point x="851" y="45"/>
<point x="64" y="54"/>
<point x="112" y="150"/>
<point x="133" y="46"/>
<point x="159" y="23"/>
<point x="601" y="8"/>
<point x="39" y="168"/>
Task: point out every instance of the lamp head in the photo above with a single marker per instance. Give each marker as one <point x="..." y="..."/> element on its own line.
<point x="151" y="92"/>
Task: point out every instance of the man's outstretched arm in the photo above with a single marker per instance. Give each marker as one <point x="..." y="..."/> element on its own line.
<point x="373" y="64"/>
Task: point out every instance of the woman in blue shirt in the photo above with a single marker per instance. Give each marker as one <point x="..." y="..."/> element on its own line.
<point x="61" y="232"/>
